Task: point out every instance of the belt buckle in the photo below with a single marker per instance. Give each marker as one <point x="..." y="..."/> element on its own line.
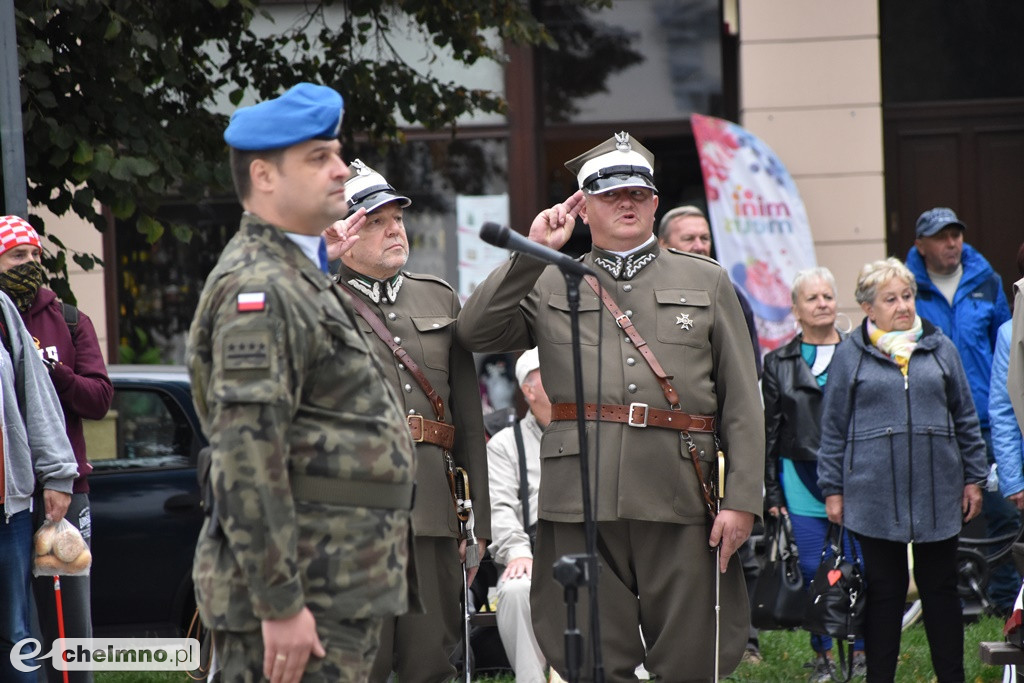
<point x="409" y="419"/>
<point x="629" y="418"/>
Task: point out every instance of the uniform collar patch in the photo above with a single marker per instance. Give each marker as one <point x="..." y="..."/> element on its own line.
<point x="625" y="267"/>
<point x="378" y="291"/>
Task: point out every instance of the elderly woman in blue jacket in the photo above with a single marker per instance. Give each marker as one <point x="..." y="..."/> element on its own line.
<point x="902" y="460"/>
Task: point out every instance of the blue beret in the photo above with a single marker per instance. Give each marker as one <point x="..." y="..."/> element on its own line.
<point x="304" y="112"/>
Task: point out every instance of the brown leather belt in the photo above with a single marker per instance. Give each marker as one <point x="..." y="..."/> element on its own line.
<point x="637" y="415"/>
<point x="428" y="431"/>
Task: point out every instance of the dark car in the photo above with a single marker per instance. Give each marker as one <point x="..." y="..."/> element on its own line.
<point x="145" y="501"/>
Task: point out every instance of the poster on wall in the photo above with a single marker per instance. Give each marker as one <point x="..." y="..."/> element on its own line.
<point x="477" y="258"/>
<point x="758" y="222"/>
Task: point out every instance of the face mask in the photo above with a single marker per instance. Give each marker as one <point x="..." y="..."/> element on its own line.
<point x="22" y="283"/>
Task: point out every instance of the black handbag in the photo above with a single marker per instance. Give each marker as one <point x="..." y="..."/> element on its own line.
<point x="836" y="598"/>
<point x="779" y="598"/>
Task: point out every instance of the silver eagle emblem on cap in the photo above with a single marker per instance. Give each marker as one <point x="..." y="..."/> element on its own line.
<point x="622" y="141"/>
<point x="360" y="167"/>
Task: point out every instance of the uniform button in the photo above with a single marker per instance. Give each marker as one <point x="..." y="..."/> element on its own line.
<point x="627" y="288"/>
<point x="398" y="340"/>
<point x="436" y="325"/>
<point x="682" y="299"/>
<point x="408" y="388"/>
<point x="629" y="314"/>
<point x="392" y="316"/>
<point x="627" y="340"/>
<point x="631" y="361"/>
<point x="631" y="388"/>
<point x="401" y="366"/>
<point x="412" y="411"/>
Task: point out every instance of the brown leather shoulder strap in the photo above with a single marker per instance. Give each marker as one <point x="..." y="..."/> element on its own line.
<point x="381" y="330"/>
<point x="623" y="321"/>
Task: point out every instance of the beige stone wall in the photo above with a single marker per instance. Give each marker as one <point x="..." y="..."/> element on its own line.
<point x="78" y="235"/>
<point x="810" y="87"/>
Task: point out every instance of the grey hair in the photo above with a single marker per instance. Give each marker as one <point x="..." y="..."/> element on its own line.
<point x="817" y="273"/>
<point x="688" y="210"/>
<point x="877" y="273"/>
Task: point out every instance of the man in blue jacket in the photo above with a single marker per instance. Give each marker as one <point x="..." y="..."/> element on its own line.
<point x="960" y="293"/>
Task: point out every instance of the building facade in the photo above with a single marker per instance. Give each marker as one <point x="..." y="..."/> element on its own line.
<point x="879" y="109"/>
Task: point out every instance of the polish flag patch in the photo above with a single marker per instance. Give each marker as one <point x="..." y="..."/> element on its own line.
<point x="252" y="301"/>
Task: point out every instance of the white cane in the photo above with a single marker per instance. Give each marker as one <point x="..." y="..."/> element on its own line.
<point x="720" y="493"/>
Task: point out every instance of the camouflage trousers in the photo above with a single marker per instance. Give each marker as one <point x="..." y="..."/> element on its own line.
<point x="350" y="645"/>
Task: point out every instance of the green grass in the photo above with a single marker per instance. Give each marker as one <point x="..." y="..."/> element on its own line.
<point x="784" y="655"/>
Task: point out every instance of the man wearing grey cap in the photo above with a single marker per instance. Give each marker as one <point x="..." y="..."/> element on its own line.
<point x="960" y="293"/>
<point x="308" y="481"/>
<point x="677" y="379"/>
<point x="410" y="321"/>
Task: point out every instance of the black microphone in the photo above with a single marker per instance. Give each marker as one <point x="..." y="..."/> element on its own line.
<point x="502" y="236"/>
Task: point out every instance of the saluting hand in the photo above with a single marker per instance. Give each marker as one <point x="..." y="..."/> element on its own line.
<point x="553" y="227"/>
<point x="343" y="234"/>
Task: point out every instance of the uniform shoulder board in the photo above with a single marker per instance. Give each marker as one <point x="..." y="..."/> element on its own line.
<point x="691" y="255"/>
<point x="427" y="278"/>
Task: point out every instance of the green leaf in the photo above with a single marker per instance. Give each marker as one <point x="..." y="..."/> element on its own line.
<point x="121" y="169"/>
<point x="83" y="153"/>
<point x="122" y="207"/>
<point x="150" y="227"/>
<point x="113" y="29"/>
<point x="85" y="261"/>
<point x="182" y="232"/>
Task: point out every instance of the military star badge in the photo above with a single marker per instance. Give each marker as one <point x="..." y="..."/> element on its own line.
<point x="684" y="321"/>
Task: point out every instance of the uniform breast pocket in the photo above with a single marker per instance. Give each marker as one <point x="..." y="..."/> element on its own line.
<point x="555" y="321"/>
<point x="684" y="316"/>
<point x="435" y="334"/>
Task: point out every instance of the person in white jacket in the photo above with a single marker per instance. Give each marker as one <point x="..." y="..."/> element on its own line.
<point x="512" y="547"/>
<point x="35" y="451"/>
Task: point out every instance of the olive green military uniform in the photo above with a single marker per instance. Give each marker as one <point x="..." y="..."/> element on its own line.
<point x="302" y="425"/>
<point x="420" y="312"/>
<point x="657" y="571"/>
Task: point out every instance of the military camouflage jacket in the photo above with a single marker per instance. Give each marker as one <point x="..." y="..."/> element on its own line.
<point x="422" y="316"/>
<point x="286" y="387"/>
<point x="685" y="307"/>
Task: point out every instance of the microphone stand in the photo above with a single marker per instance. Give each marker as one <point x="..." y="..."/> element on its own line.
<point x="573" y="571"/>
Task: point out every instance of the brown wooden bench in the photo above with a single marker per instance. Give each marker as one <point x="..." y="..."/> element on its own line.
<point x="999" y="653"/>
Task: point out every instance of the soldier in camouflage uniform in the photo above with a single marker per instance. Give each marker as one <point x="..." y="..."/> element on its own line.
<point x="419" y="312"/>
<point x="307" y="547"/>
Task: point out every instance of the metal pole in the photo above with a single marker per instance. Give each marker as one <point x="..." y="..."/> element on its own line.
<point x="11" y="134"/>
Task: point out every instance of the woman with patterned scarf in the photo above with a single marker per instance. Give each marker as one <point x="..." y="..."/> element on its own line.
<point x="902" y="461"/>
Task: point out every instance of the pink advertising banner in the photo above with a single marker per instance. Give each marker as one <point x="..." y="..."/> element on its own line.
<point x="758" y="222"/>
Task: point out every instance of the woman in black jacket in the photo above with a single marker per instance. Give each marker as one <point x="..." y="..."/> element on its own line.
<point x="792" y="384"/>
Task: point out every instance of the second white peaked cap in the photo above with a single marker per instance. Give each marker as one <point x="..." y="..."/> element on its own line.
<point x="368" y="189"/>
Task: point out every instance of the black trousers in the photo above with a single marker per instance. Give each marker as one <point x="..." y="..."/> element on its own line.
<point x="887" y="576"/>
